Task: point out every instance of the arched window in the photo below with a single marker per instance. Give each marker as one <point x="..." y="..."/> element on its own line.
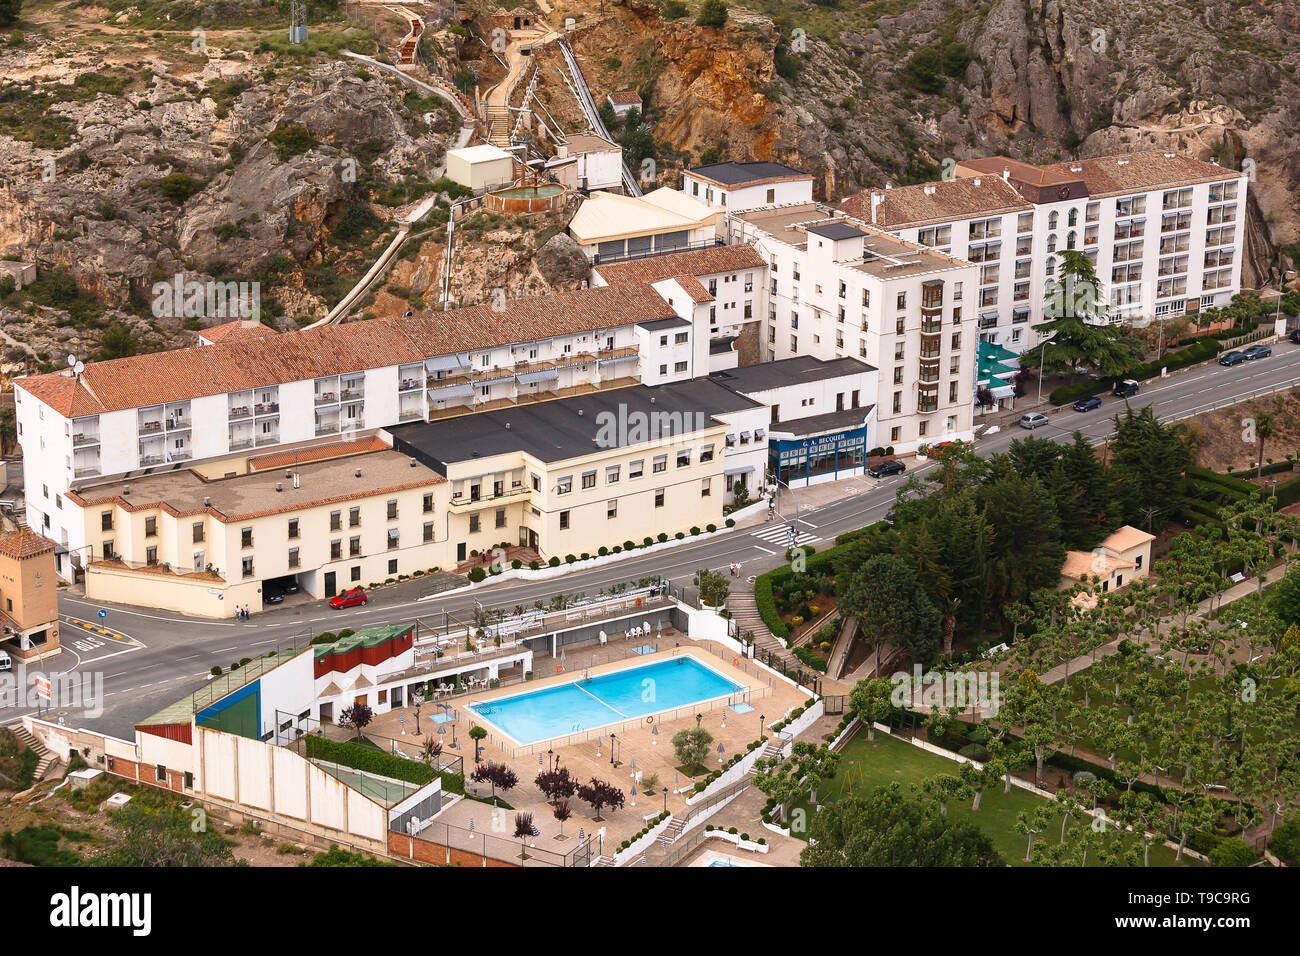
<point x="1051" y="241"/>
<point x="1074" y="217"/>
<point x="1069" y="241"/>
<point x="1051" y="266"/>
<point x="1053" y="219"/>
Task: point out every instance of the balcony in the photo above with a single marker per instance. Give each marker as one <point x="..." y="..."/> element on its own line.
<point x="408" y="385"/>
<point x="151" y="427"/>
<point x="237" y="444"/>
<point x="240" y="411"/>
<point x="464" y="502"/>
<point x="271" y="439"/>
<point x="410" y="414"/>
<point x="350" y="394"/>
<point x="85" y="471"/>
<point x="85" y="438"/>
<point x="327" y="428"/>
<point x="267" y="408"/>
<point x="180" y="454"/>
<point x="327" y="398"/>
<point x="147" y="461"/>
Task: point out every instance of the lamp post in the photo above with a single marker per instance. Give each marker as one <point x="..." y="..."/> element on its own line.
<point x="1042" y="357"/>
<point x="550" y="759"/>
<point x="762" y="721"/>
<point x="665" y="799"/>
<point x="1281" y="291"/>
<point x="698" y="718"/>
<point x="613" y="741"/>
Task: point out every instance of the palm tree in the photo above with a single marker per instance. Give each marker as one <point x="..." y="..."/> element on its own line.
<point x="951" y="606"/>
<point x="1263" y="430"/>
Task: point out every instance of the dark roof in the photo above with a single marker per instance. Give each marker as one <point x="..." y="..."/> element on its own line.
<point x="827" y="422"/>
<point x="836" y="231"/>
<point x="738" y="174"/>
<point x="654" y="325"/>
<point x="801" y="368"/>
<point x="565" y="428"/>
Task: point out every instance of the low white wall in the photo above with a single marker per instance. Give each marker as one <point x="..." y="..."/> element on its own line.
<point x="740" y="844"/>
<point x="638" y="847"/>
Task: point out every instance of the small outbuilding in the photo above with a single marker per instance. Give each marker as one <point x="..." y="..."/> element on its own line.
<point x="481" y="167"/>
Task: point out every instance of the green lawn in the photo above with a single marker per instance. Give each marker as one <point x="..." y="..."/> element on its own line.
<point x="865" y="765"/>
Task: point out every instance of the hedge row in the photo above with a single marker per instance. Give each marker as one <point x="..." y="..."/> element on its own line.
<point x="764" y="598"/>
<point x="1199" y="351"/>
<point x="379" y="763"/>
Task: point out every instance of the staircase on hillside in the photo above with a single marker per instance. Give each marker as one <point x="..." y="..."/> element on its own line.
<point x="498" y="123"/>
<point x="604" y="861"/>
<point x="744" y="611"/>
<point x="48" y="759"/>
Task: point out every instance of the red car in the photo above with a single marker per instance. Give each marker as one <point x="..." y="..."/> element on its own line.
<point x="349" y="599"/>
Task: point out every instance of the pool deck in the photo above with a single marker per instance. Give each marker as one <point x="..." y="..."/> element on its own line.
<point x="652" y="754"/>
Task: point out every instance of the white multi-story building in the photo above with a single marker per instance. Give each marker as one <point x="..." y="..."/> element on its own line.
<point x="839" y="288"/>
<point x="1164" y="233"/>
<point x="740" y="186"/>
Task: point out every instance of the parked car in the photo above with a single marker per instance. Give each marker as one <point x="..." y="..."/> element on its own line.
<point x="5" y="663"/>
<point x="1232" y="358"/>
<point x="1032" y="420"/>
<point x="1126" y="388"/>
<point x="1087" y="404"/>
<point x="886" y="468"/>
<point x="349" y="599"/>
<point x="1295" y="336"/>
<point x="272" y="597"/>
<point x="1257" y="352"/>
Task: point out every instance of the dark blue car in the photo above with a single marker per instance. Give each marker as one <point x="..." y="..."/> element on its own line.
<point x="1087" y="404"/>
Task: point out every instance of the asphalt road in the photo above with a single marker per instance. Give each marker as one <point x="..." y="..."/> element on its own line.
<point x="149" y="659"/>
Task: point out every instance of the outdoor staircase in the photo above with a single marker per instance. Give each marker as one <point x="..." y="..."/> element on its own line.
<point x="48" y="759"/>
<point x="674" y="829"/>
<point x="604" y="861"/>
<point x="771" y="750"/>
<point x="498" y="123"/>
<point x="744" y="611"/>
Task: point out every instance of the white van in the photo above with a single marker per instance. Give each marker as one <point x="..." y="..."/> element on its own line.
<point x="5" y="663"/>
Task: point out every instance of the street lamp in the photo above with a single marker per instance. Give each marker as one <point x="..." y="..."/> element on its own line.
<point x="1281" y="290"/>
<point x="550" y="756"/>
<point x="665" y="799"/>
<point x="1042" y="356"/>
<point x="698" y="718"/>
<point x="762" y="720"/>
<point x="613" y="740"/>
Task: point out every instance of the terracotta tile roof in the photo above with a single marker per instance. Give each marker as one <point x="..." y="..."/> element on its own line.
<point x="589" y="143"/>
<point x="239" y="329"/>
<point x="625" y="98"/>
<point x="244" y="363"/>
<point x="1141" y="171"/>
<point x="24" y="544"/>
<point x="694" y="288"/>
<point x="713" y="260"/>
<point x="1019" y="171"/>
<point x="316" y="453"/>
<point x="1126" y="537"/>
<point x="936" y="202"/>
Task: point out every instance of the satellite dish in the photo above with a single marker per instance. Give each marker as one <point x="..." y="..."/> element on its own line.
<point x="72" y="360"/>
<point x="79" y="367"/>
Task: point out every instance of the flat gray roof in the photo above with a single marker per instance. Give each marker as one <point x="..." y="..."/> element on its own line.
<point x="826" y="422"/>
<point x="836" y="231"/>
<point x="801" y="368"/>
<point x="567" y="428"/>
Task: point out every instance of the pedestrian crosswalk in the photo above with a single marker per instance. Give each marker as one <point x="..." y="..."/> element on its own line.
<point x="779" y="534"/>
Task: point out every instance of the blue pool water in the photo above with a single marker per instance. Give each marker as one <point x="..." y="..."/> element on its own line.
<point x="608" y="699"/>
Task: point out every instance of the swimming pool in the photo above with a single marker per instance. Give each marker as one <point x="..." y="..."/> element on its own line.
<point x="587" y="704"/>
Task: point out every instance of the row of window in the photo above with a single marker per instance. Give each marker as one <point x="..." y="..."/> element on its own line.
<point x="635" y="469"/>
<point x="611" y="506"/>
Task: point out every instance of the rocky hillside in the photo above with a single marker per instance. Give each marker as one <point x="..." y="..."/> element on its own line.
<point x="870" y="91"/>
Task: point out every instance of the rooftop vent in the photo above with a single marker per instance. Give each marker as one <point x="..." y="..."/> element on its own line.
<point x="977" y="180"/>
<point x="207" y="502"/>
<point x="1121" y="162"/>
<point x="413" y="460"/>
<point x="288" y="473"/>
<point x="279" y="486"/>
<point x="126" y="489"/>
<point x="357" y="473"/>
<point x="930" y="190"/>
<point x="1076" y="168"/>
<point x="1169" y="155"/>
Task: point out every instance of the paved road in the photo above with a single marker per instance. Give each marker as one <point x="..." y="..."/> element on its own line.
<point x="170" y="655"/>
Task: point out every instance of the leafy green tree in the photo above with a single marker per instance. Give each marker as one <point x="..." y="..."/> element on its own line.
<point x="888" y="827"/>
<point x="1265" y="426"/>
<point x="713" y="13"/>
<point x="1026" y="552"/>
<point x="154" y="831"/>
<point x="713" y="587"/>
<point x="116" y="343"/>
<point x="872" y="701"/>
<point x="1149" y="462"/>
<point x="887" y="598"/>
<point x="8" y="430"/>
<point x="692" y="747"/>
<point x="1081" y="338"/>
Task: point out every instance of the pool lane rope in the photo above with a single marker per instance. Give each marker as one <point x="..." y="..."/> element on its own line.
<point x="599" y="701"/>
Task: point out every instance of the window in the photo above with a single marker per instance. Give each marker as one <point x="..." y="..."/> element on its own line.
<point x="899" y="326"/>
<point x="293" y="557"/>
<point x="900" y="349"/>
<point x="659" y="497"/>
<point x="106" y="521"/>
<point x="428" y="531"/>
<point x="952" y="391"/>
<point x="537" y="481"/>
<point x="197" y="531"/>
<point x="474" y="524"/>
<point x="898" y="375"/>
<point x="336" y="520"/>
<point x="636" y="468"/>
<point x="922" y="428"/>
<point x="160" y="773"/>
<point x="684" y="458"/>
<point x="246" y="538"/>
<point x="663" y="369"/>
<point x="564" y="485"/>
<point x="354" y="546"/>
<point x="771" y="196"/>
<point x="588" y="479"/>
<point x="681" y="338"/>
<point x="898" y="402"/>
<point x="108" y="550"/>
<point x="392" y="509"/>
<point x="151" y="527"/>
<point x="151" y="556"/>
<point x="564" y="520"/>
<point x="393" y="538"/>
<point x="679" y="367"/>
<point x="705" y="487"/>
<point x="611" y="509"/>
<point x="392" y="569"/>
<point x="336" y="549"/>
<point x="706" y="453"/>
<point x="895" y="433"/>
<point x="293" y="527"/>
<point x="501" y="517"/>
<point x="660" y="463"/>
<point x="902" y="300"/>
<point x="611" y="475"/>
<point x="428" y="503"/>
<point x="246" y="566"/>
<point x="354" y="517"/>
<point x="956" y="341"/>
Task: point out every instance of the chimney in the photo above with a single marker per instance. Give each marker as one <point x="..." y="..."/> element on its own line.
<point x="876" y="200"/>
<point x="357" y="473"/>
<point x="977" y="180"/>
<point x="1006" y="174"/>
<point x="126" y="489"/>
<point x="562" y="151"/>
<point x="288" y="473"/>
<point x="1076" y="168"/>
<point x="279" y="486"/>
<point x="297" y="480"/>
<point x="207" y="502"/>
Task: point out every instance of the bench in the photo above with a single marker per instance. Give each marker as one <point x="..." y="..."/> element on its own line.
<point x="1237" y="578"/>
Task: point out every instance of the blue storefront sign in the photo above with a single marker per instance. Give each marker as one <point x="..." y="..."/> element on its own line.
<point x="795" y="460"/>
